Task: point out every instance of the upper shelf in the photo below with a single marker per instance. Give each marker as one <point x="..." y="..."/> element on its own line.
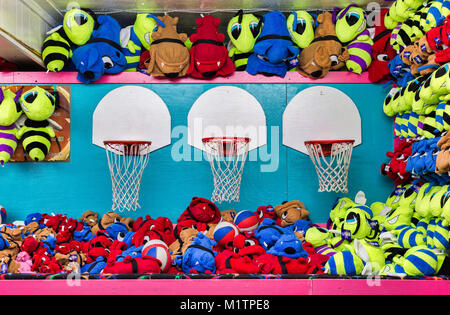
<point x="140" y="78"/>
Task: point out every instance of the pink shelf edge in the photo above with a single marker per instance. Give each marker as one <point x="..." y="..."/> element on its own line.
<point x="139" y="78"/>
<point x="227" y="287"/>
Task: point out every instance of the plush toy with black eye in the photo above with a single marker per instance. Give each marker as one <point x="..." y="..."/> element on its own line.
<point x="36" y="135"/>
<point x="290" y="212"/>
<point x="10" y="111"/>
<point x="243" y="30"/>
<point x="301" y="26"/>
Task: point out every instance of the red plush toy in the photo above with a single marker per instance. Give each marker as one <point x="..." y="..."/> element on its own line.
<point x="264" y="212"/>
<point x="66" y="248"/>
<point x="209" y="56"/>
<point x="283" y="265"/>
<point x="42" y="263"/>
<point x="241" y="259"/>
<point x="199" y="212"/>
<point x="146" y="264"/>
<point x="382" y="52"/>
<point x="31" y="245"/>
<point x="97" y="247"/>
<point x="438" y="41"/>
<point x="161" y="228"/>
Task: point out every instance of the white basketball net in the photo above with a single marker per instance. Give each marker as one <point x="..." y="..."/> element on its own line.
<point x="126" y="164"/>
<point x="227" y="158"/>
<point x="332" y="170"/>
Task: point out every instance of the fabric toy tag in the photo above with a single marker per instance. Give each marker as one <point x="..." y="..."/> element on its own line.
<point x="393" y="91"/>
<point x="269" y="209"/>
<point x="4" y="269"/>
<point x="294" y="62"/>
<point x="346" y="235"/>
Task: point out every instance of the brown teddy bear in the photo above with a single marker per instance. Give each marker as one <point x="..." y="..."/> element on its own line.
<point x="72" y="262"/>
<point x="290" y="212"/>
<point x="228" y="215"/>
<point x="325" y="52"/>
<point x="179" y="247"/>
<point x="169" y="56"/>
<point x="444" y="142"/>
<point x="106" y="220"/>
<point x="90" y="218"/>
<point x="416" y="58"/>
<point x="443" y="162"/>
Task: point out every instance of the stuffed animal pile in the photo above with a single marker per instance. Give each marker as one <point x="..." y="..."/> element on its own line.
<point x="203" y="240"/>
<point x="269" y="44"/>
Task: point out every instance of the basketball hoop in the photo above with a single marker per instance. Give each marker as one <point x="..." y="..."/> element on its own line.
<point x="332" y="171"/>
<point x="227" y="156"/>
<point x="127" y="161"/>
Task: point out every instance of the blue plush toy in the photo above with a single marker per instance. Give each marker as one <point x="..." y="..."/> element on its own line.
<point x="49" y="243"/>
<point x="117" y="231"/>
<point x="33" y="217"/>
<point x="134" y="252"/>
<point x="199" y="256"/>
<point x="400" y="71"/>
<point x="102" y="54"/>
<point x="288" y="245"/>
<point x="4" y="244"/>
<point x="300" y="226"/>
<point x="268" y="232"/>
<point x="85" y="235"/>
<point x="274" y="51"/>
<point x="95" y="267"/>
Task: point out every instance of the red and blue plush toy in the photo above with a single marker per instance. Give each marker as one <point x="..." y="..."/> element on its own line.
<point x="274" y="51"/>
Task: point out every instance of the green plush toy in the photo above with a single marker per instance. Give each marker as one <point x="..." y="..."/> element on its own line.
<point x="344" y="263"/>
<point x="75" y="31"/>
<point x="423" y="202"/>
<point x="418" y="261"/>
<point x="371" y="254"/>
<point x="300" y="25"/>
<point x="243" y="30"/>
<point x="36" y="134"/>
<point x="320" y="239"/>
<point x="403" y="11"/>
<point x="390" y="104"/>
<point x="389" y="22"/>
<point x="394" y="198"/>
<point x="420" y="106"/>
<point x="397" y="217"/>
<point x="10" y="111"/>
<point x="435" y="15"/>
<point x="438" y="80"/>
<point x="356" y="224"/>
<point x="350" y="22"/>
<point x="339" y="210"/>
<point x="137" y="37"/>
<point x="438" y="200"/>
<point x="38" y="104"/>
<point x="427" y="94"/>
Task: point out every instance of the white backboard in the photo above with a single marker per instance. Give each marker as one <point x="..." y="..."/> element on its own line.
<point x="320" y="113"/>
<point x="132" y="113"/>
<point x="227" y="111"/>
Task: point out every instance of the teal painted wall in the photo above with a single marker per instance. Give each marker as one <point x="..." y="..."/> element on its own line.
<point x="168" y="185"/>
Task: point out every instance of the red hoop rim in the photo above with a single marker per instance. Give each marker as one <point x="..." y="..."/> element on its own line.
<point x="328" y="141"/>
<point x="126" y="142"/>
<point x="226" y="139"/>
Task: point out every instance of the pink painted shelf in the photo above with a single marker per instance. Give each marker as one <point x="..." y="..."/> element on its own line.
<point x="227" y="287"/>
<point x="140" y="78"/>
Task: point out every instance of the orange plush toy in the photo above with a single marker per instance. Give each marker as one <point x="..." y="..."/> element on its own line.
<point x="209" y="57"/>
<point x="169" y="56"/>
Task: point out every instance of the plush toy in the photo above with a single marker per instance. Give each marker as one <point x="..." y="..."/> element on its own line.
<point x="134" y="265"/>
<point x="185" y="238"/>
<point x="102" y="54"/>
<point x="107" y="219"/>
<point x="291" y="211"/>
<point x="137" y="37"/>
<point x="321" y="240"/>
<point x="90" y="218"/>
<point x="76" y="29"/>
<point x="382" y="53"/>
<point x="169" y="56"/>
<point x="274" y="52"/>
<point x="325" y="52"/>
<point x="265" y="212"/>
<point x="268" y="232"/>
<point x="246" y="221"/>
<point x="301" y="26"/>
<point x="10" y="111"/>
<point x="417" y="261"/>
<point x="241" y="259"/>
<point x="243" y="30"/>
<point x="224" y="233"/>
<point x="199" y="212"/>
<point x="198" y="257"/>
<point x="351" y="31"/>
<point x="209" y="57"/>
<point x="95" y="267"/>
<point x="288" y="245"/>
<point x="97" y="247"/>
<point x="228" y="215"/>
<point x="25" y="262"/>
